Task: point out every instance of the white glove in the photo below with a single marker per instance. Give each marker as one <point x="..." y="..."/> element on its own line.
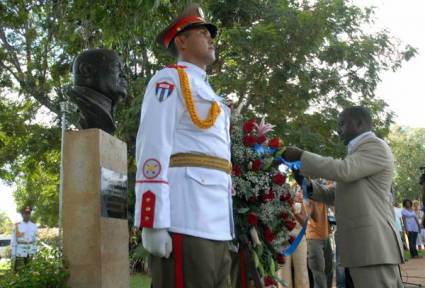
<point x="157" y="242"/>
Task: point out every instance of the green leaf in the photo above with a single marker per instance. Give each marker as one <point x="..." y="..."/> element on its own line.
<point x="243" y="210"/>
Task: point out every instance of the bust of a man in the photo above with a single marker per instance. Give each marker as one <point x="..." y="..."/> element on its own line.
<point x="99" y="82"/>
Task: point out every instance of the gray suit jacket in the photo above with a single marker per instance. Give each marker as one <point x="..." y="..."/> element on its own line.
<point x="366" y="232"/>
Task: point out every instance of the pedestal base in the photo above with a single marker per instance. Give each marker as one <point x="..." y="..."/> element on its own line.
<point x="95" y="247"/>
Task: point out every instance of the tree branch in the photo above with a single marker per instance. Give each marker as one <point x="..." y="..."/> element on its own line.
<point x="10" y="70"/>
<point x="12" y="51"/>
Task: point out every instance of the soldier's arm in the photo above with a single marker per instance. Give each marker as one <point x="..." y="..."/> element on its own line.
<point x="161" y="110"/>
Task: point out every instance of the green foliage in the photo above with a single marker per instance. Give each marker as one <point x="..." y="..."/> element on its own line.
<point x="5" y="224"/>
<point x="30" y="156"/>
<point x="408" y="146"/>
<point x="298" y="62"/>
<point x="46" y="270"/>
<point x="140" y="281"/>
<point x="4" y="266"/>
<point x="138" y="255"/>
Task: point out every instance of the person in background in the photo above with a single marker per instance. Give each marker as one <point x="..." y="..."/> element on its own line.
<point x="24" y="237"/>
<point x="318" y="244"/>
<point x="420" y="241"/>
<point x="399" y="222"/>
<point x="411" y="225"/>
<point x="298" y="260"/>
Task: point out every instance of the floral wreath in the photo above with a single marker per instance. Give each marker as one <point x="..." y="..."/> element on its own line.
<point x="262" y="197"/>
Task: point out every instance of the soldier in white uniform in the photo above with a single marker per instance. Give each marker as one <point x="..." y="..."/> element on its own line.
<point x="24" y="238"/>
<point x="183" y="185"/>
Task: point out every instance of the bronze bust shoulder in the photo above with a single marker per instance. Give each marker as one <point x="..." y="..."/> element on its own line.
<point x="99" y="82"/>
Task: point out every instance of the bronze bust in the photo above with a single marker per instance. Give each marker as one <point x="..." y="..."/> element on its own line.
<point x="99" y="82"/>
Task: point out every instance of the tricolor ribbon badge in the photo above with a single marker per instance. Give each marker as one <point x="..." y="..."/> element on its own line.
<point x="163" y="90"/>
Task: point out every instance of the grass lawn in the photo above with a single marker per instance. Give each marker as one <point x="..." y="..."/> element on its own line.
<point x="140" y="281"/>
<point x="407" y="254"/>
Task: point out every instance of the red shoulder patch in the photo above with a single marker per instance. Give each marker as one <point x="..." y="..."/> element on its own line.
<point x="175" y="66"/>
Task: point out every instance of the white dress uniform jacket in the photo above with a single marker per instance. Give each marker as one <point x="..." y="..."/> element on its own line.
<point x="24" y="244"/>
<point x="188" y="200"/>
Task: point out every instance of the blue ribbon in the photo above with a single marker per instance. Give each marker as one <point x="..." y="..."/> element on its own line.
<point x="291" y="249"/>
<point x="260" y="149"/>
<point x="296" y="165"/>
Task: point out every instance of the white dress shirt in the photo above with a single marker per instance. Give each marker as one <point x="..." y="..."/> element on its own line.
<point x="24" y="245"/>
<point x="352" y="145"/>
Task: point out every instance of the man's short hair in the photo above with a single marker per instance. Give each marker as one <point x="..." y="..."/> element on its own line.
<point x="172" y="46"/>
<point x="359" y="113"/>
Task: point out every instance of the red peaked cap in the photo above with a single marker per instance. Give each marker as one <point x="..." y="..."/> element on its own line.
<point x="191" y="17"/>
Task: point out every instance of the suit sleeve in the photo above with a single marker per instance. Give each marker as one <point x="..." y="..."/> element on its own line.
<point x="322" y="193"/>
<point x="368" y="160"/>
<point x="154" y="143"/>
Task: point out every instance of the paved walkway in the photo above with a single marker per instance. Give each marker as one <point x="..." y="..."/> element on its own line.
<point x="413" y="272"/>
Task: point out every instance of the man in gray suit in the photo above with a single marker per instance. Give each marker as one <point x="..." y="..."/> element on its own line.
<point x="368" y="240"/>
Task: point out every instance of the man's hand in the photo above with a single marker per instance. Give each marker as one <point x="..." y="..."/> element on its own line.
<point x="292" y="154"/>
<point x="298" y="177"/>
<point x="157" y="242"/>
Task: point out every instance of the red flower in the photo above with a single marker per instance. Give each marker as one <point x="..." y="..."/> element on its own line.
<point x="269" y="281"/>
<point x="249" y="126"/>
<point x="267" y="197"/>
<point x="268" y="235"/>
<point x="274" y="143"/>
<point x="284" y="215"/>
<point x="284" y="197"/>
<point x="280" y="259"/>
<point x="252" y="219"/>
<point x="256" y="165"/>
<point x="289" y="197"/>
<point x="290" y="225"/>
<point x="291" y="239"/>
<point x="279" y="179"/>
<point x="261" y="139"/>
<point x="252" y="199"/>
<point x="236" y="170"/>
<point x="249" y="140"/>
<point x="290" y="201"/>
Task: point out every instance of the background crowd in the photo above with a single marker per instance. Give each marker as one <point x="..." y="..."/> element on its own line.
<point x="316" y="260"/>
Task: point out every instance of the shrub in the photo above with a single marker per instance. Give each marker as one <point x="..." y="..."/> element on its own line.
<point x="46" y="270"/>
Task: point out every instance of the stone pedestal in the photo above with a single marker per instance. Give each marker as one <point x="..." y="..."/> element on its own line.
<point x="95" y="246"/>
